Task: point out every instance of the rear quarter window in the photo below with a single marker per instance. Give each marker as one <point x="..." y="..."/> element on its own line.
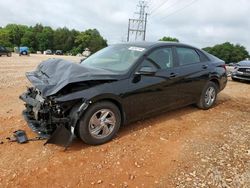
<point x="187" y="56"/>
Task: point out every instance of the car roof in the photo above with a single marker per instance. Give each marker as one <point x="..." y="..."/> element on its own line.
<point x="154" y="44"/>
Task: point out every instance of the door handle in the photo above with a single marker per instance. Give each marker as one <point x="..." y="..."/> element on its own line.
<point x="204" y="66"/>
<point x="173" y="75"/>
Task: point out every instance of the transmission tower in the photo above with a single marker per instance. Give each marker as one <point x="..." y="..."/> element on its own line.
<point x="137" y="27"/>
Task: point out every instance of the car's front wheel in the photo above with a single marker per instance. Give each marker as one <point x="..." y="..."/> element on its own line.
<point x="100" y="123"/>
<point x="208" y="96"/>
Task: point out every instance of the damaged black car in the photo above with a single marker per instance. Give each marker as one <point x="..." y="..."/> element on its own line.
<point x="119" y="84"/>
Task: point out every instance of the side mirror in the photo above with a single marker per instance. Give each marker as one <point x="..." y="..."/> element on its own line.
<point x="146" y="71"/>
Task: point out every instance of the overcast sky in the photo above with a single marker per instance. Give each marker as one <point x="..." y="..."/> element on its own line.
<point x="197" y="22"/>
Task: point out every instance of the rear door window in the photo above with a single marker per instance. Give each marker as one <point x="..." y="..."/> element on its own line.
<point x="187" y="56"/>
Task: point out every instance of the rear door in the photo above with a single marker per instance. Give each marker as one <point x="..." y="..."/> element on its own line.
<point x="193" y="72"/>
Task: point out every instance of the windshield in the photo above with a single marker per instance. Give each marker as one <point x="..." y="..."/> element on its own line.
<point x="115" y="58"/>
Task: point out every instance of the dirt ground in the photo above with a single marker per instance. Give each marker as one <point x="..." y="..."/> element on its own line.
<point x="187" y="147"/>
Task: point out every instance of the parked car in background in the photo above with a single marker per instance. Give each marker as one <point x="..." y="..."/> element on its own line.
<point x="23" y="50"/>
<point x="48" y="52"/>
<point x="241" y="71"/>
<point x="231" y="64"/>
<point x="117" y="85"/>
<point x="59" y="52"/>
<point x="230" y="68"/>
<point x="4" y="51"/>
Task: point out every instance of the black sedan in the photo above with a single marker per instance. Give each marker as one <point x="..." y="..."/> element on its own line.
<point x="4" y="51"/>
<point x="241" y="71"/>
<point x="118" y="85"/>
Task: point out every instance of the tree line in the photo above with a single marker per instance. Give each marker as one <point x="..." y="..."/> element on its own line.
<point x="230" y="53"/>
<point x="41" y="38"/>
<point x="227" y="51"/>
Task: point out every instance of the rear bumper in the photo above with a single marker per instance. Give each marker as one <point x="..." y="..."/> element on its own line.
<point x="223" y="83"/>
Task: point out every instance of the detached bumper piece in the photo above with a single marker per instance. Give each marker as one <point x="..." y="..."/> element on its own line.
<point x="61" y="136"/>
<point x="21" y="136"/>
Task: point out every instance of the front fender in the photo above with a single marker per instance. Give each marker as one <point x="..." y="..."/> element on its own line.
<point x="111" y="90"/>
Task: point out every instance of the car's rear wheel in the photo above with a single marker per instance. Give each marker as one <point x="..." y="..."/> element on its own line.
<point x="100" y="123"/>
<point x="208" y="96"/>
<point x="9" y="54"/>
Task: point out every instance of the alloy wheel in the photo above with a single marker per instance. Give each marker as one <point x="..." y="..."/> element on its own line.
<point x="210" y="96"/>
<point x="102" y="123"/>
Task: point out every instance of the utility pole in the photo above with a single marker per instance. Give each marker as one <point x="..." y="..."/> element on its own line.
<point x="145" y="26"/>
<point x="137" y="27"/>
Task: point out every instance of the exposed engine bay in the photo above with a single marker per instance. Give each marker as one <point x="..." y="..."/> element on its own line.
<point x="47" y="117"/>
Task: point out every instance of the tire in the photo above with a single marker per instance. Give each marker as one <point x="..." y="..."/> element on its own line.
<point x="208" y="96"/>
<point x="9" y="54"/>
<point x="93" y="127"/>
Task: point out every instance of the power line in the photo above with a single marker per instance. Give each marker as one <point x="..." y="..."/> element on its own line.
<point x="152" y="4"/>
<point x="178" y="10"/>
<point x="168" y="7"/>
<point x="158" y="7"/>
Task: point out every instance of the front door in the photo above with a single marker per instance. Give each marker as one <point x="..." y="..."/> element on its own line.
<point x="151" y="93"/>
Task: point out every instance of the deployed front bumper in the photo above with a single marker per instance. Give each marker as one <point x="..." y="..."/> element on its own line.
<point x="35" y="125"/>
<point x="51" y="120"/>
<point x="41" y="115"/>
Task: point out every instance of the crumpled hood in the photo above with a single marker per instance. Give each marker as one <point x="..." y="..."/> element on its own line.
<point x="54" y="74"/>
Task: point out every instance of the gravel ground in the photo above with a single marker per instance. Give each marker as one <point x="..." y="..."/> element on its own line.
<point x="187" y="147"/>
